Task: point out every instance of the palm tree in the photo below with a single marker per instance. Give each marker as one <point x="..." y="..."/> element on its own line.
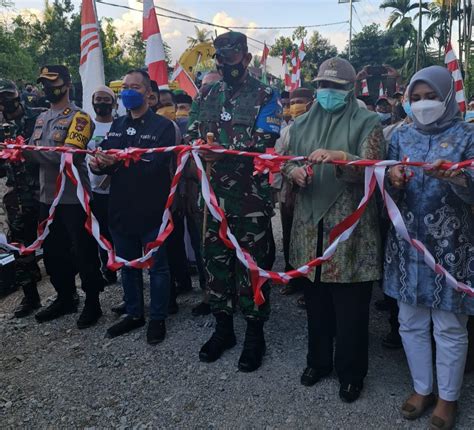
<point x="400" y="21"/>
<point x="201" y="36"/>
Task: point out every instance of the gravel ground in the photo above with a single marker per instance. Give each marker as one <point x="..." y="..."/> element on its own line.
<point x="55" y="376"/>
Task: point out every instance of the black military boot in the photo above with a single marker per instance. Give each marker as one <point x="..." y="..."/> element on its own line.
<point x="30" y="302"/>
<point x="61" y="306"/>
<point x="254" y="347"/>
<point x="223" y="338"/>
<point x="91" y="312"/>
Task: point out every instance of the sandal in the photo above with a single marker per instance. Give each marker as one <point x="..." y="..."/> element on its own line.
<point x="437" y="423"/>
<point x="411" y="412"/>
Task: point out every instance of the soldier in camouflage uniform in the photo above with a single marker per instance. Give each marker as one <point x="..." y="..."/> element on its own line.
<point x="21" y="200"/>
<point x="243" y="114"/>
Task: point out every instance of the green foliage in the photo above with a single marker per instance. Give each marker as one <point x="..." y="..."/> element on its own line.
<point x="28" y="43"/>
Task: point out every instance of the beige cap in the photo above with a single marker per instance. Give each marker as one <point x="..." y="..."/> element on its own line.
<point x="336" y="70"/>
<point x="104" y="89"/>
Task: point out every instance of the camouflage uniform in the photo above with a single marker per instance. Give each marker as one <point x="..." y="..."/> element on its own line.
<point x="21" y="202"/>
<point x="247" y="120"/>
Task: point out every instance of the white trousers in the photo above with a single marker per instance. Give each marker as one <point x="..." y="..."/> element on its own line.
<point x="450" y="334"/>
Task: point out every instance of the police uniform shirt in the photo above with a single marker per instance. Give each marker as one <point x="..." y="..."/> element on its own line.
<point x="66" y="127"/>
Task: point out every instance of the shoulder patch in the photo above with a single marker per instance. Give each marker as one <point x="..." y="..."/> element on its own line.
<point x="80" y="130"/>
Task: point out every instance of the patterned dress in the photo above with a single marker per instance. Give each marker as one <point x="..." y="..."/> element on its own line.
<point x="440" y="215"/>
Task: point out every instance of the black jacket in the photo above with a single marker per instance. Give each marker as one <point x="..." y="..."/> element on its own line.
<point x="138" y="193"/>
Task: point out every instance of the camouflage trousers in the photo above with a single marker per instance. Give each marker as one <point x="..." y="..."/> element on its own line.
<point x="22" y="227"/>
<point x="228" y="280"/>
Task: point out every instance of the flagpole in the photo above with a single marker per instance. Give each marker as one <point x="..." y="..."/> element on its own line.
<point x="350" y="30"/>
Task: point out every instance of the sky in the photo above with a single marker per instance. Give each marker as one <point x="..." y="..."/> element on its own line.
<point x="251" y="13"/>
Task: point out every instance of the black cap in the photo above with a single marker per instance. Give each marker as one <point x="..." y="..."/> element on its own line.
<point x="52" y="73"/>
<point x="7" y="86"/>
<point x="230" y="43"/>
<point x="154" y="87"/>
<point x="183" y="98"/>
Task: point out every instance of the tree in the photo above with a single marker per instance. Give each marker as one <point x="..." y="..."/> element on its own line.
<point x="201" y="36"/>
<point x="401" y="10"/>
<point x="14" y="60"/>
<point x="373" y="46"/>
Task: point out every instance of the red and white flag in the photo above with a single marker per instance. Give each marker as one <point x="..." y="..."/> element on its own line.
<point x="155" y="51"/>
<point x="265" y="53"/>
<point x="184" y="81"/>
<point x="295" y="71"/>
<point x="453" y="66"/>
<point x="381" y="90"/>
<point x="365" y="87"/>
<point x="91" y="63"/>
<point x="301" y="51"/>
<point x="286" y="72"/>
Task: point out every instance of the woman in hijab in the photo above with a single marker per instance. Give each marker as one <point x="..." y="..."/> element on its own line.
<point x="338" y="296"/>
<point x="436" y="206"/>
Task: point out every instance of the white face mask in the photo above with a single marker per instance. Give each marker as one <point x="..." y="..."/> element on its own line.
<point x="428" y="111"/>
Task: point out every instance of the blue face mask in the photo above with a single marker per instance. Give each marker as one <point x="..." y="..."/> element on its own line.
<point x="384" y="116"/>
<point x="331" y="100"/>
<point x="407" y="108"/>
<point x="469" y="115"/>
<point x="131" y="99"/>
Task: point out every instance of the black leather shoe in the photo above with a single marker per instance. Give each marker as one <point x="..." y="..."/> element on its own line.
<point x="124" y="326"/>
<point x="120" y="309"/>
<point x="201" y="309"/>
<point x="56" y="309"/>
<point x="90" y="314"/>
<point x="156" y="332"/>
<point x="26" y="307"/>
<point x="312" y="376"/>
<point x="254" y="347"/>
<point x="350" y="392"/>
<point x="222" y="339"/>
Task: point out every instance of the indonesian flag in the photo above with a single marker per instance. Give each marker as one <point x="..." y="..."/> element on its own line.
<point x="184" y="80"/>
<point x="301" y="51"/>
<point x="265" y="53"/>
<point x="295" y="71"/>
<point x="91" y="64"/>
<point x="365" y="87"/>
<point x="452" y="64"/>
<point x="286" y="72"/>
<point x="381" y="90"/>
<point x="155" y="51"/>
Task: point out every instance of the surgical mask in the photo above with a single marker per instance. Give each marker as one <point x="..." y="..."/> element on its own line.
<point x="298" y="109"/>
<point x="232" y="73"/>
<point x="407" y="108"/>
<point x="331" y="100"/>
<point x="384" y="116"/>
<point x="182" y="114"/>
<point x="132" y="99"/>
<point x="102" y="109"/>
<point x="469" y="115"/>
<point x="428" y="111"/>
<point x="168" y="112"/>
<point x="55" y="94"/>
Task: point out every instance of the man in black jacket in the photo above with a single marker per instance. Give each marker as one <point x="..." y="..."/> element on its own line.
<point x="138" y="195"/>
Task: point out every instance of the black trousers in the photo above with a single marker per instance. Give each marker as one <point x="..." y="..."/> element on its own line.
<point x="286" y="214"/>
<point x="100" y="208"/>
<point x="69" y="249"/>
<point x="339" y="311"/>
<point x="177" y="259"/>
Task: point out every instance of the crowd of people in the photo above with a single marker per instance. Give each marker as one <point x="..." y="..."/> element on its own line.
<point x="240" y="112"/>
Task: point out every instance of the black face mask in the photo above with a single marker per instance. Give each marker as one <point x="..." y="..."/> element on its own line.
<point x="102" y="109"/>
<point x="29" y="89"/>
<point x="10" y="106"/>
<point x="54" y="94"/>
<point x="232" y="73"/>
